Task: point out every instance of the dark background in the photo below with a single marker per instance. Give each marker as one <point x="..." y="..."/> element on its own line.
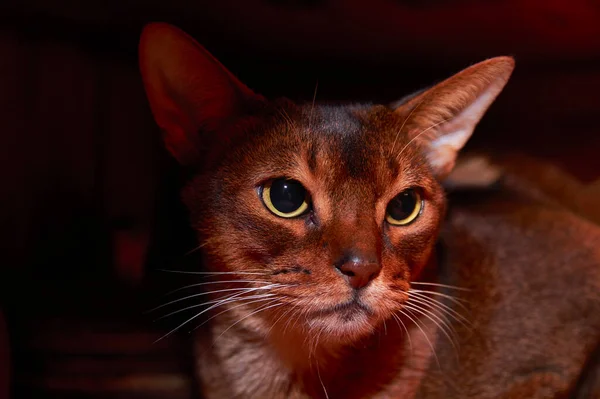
<point x="89" y="204"/>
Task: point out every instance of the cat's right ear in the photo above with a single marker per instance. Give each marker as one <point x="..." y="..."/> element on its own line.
<point x="192" y="95"/>
<point x="443" y="117"/>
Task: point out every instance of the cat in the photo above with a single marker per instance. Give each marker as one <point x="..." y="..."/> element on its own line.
<point x="337" y="267"/>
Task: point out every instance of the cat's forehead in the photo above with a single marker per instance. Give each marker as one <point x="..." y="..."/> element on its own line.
<point x="340" y="122"/>
<point x="351" y="146"/>
<point x="343" y="145"/>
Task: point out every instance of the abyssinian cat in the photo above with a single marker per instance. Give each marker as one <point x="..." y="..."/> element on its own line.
<point x="337" y="269"/>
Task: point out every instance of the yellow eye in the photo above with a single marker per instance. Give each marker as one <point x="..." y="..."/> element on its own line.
<point x="286" y="198"/>
<point x="404" y="208"/>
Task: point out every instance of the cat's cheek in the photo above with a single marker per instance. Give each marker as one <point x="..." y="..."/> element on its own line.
<point x="406" y="260"/>
<point x="419" y="264"/>
<point x="418" y="258"/>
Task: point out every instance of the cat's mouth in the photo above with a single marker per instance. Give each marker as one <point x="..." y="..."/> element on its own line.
<point x="348" y="320"/>
<point x="347" y="309"/>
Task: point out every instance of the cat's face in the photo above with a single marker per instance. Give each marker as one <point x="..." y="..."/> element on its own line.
<point x="330" y="206"/>
<point x="325" y="213"/>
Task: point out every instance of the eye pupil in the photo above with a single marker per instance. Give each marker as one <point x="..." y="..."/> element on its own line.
<point x="404" y="208"/>
<point x="402" y="205"/>
<point x="287" y="195"/>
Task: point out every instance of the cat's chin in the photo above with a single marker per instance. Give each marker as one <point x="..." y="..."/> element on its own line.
<point x="344" y="325"/>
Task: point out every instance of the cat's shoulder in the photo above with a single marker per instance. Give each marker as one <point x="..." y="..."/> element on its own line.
<point x="531" y="268"/>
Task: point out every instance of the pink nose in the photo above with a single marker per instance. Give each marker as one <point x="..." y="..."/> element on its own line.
<point x="359" y="271"/>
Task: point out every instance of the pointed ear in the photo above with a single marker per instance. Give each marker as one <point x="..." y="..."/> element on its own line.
<point x="443" y="118"/>
<point x="192" y="96"/>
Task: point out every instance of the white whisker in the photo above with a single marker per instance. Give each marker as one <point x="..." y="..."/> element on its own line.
<point x="279" y="318"/>
<point x="199" y="247"/>
<point x="384" y="328"/>
<point x="199" y="314"/>
<point x="404" y="123"/>
<point x="287" y="324"/>
<point x="429" y="307"/>
<point x="266" y="287"/>
<point x="426" y="337"/>
<point x="441" y="326"/>
<point x="453" y="287"/>
<point x="401" y="323"/>
<point x="211" y="273"/>
<point x="420" y="134"/>
<point x="429" y="313"/>
<point x="216" y="282"/>
<point x="233" y="296"/>
<point x="267" y="306"/>
<point x="312" y="107"/>
<point x="457" y="301"/>
<point x="444" y="308"/>
<point x="234" y="307"/>
<point x="321" y="380"/>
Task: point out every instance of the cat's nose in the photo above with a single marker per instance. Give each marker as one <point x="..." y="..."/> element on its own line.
<point x="359" y="270"/>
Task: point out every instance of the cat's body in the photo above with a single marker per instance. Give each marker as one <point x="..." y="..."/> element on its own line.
<point x="532" y="331"/>
<point x="321" y="227"/>
<point x="534" y="278"/>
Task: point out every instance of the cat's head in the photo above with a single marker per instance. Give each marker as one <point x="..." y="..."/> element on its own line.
<point x="326" y="213"/>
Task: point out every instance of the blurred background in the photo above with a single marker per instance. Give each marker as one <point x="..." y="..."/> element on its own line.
<point x="90" y="205"/>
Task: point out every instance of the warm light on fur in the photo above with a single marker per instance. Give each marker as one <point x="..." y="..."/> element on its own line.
<point x="353" y="160"/>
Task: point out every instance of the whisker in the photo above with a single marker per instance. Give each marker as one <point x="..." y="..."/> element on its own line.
<point x="211" y="292"/>
<point x="279" y="318"/>
<point x="298" y="315"/>
<point x="321" y="380"/>
<point x="457" y="301"/>
<point x="420" y="134"/>
<point x="429" y="307"/>
<point x="444" y="308"/>
<point x="196" y="315"/>
<point x="384" y="327"/>
<point x="232" y="297"/>
<point x="441" y="326"/>
<point x="430" y="312"/>
<point x="404" y="123"/>
<point x="312" y="350"/>
<point x="216" y="282"/>
<point x="218" y="303"/>
<point x="233" y="307"/>
<point x="199" y="247"/>
<point x="310" y="116"/>
<point x="441" y="285"/>
<point x="267" y="306"/>
<point x="426" y="337"/>
<point x="210" y="273"/>
<point x="285" y="115"/>
<point x="401" y="323"/>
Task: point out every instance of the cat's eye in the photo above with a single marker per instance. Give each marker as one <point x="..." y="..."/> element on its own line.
<point x="404" y="208"/>
<point x="286" y="198"/>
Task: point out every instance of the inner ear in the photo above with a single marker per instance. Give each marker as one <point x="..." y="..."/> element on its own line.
<point x="443" y="118"/>
<point x="194" y="99"/>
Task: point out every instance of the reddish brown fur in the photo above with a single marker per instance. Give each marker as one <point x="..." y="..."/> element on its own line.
<point x="352" y="160"/>
<point x="243" y="235"/>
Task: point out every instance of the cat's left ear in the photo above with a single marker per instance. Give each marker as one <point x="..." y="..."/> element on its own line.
<point x="443" y="118"/>
<point x="195" y="100"/>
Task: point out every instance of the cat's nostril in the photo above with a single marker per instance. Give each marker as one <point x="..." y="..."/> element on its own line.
<point x="348" y="273"/>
